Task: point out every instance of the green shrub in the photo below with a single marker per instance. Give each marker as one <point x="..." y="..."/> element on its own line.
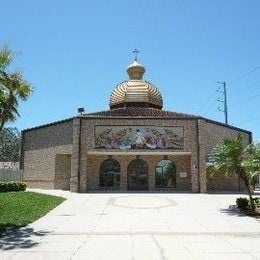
<point x="242" y="203"/>
<point x="256" y="201"/>
<point x="12" y="186"/>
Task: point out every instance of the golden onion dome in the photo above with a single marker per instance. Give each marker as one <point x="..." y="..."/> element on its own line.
<point x="135" y="92"/>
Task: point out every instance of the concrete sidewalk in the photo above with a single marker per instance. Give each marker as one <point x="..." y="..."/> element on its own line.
<point x="137" y="226"/>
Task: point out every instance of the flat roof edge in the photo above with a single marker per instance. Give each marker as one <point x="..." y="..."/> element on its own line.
<point x="225" y="125"/>
<point x="50" y="124"/>
<point x="136" y="118"/>
<point x="93" y="152"/>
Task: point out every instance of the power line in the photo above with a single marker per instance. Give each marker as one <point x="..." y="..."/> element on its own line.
<point x="246" y="99"/>
<point x="250" y="119"/>
<point x="244" y="75"/>
<point x="235" y="91"/>
<point x="205" y="113"/>
<point x="224" y="100"/>
<point x="205" y="104"/>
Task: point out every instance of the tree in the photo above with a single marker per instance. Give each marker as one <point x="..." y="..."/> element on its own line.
<point x="10" y="139"/>
<point x="231" y="158"/>
<point x="13" y="87"/>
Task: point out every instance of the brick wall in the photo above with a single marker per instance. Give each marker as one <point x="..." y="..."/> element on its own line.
<point x="87" y="144"/>
<point x="216" y="133"/>
<point x="48" y="136"/>
<point x="182" y="165"/>
<point x="211" y="135"/>
<point x="39" y="166"/>
<point x="40" y="147"/>
<point x="62" y="171"/>
<point x="223" y="183"/>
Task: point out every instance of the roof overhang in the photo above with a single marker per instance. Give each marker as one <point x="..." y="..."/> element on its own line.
<point x="95" y="152"/>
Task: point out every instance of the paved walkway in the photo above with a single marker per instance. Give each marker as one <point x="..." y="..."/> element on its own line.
<point x="137" y="226"/>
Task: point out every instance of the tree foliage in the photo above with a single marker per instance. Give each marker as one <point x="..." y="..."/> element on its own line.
<point x="232" y="158"/>
<point x="10" y="139"/>
<point x="13" y="88"/>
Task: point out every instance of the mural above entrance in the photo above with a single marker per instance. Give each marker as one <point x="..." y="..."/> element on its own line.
<point x="138" y="137"/>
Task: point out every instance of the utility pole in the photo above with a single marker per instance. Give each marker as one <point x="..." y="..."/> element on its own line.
<point x="224" y="100"/>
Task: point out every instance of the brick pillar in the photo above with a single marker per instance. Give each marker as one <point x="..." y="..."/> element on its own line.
<point x="74" y="180"/>
<point x="83" y="173"/>
<point x="123" y="172"/>
<point x="202" y="157"/>
<point x="85" y="132"/>
<point x="151" y="174"/>
<point x="194" y="173"/>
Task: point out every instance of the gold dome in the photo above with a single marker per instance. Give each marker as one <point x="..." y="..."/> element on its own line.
<point x="135" y="92"/>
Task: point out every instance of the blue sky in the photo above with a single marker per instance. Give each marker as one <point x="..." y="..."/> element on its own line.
<point x="75" y="52"/>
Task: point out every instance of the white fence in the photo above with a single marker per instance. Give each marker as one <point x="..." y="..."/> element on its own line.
<point x="9" y="171"/>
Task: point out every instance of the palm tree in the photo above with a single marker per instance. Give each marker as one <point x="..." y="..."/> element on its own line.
<point x="231" y="158"/>
<point x="13" y="87"/>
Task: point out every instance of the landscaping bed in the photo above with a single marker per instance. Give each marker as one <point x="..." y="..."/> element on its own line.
<point x="18" y="209"/>
<point x="250" y="213"/>
<point x="242" y="205"/>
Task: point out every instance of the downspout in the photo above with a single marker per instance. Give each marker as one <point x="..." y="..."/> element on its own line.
<point x="198" y="153"/>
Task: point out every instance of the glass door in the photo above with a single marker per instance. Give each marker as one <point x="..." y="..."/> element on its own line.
<point x="137" y="175"/>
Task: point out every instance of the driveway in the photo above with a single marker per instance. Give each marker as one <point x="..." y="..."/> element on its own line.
<point x="137" y="226"/>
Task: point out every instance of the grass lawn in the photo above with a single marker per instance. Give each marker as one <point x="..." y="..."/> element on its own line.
<point x="17" y="209"/>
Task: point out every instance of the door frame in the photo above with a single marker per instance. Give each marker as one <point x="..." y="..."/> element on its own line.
<point x="131" y="167"/>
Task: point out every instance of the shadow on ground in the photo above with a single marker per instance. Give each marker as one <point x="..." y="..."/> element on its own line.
<point x="166" y="191"/>
<point x="20" y="238"/>
<point x="233" y="211"/>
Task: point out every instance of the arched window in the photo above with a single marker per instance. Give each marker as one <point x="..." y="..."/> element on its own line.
<point x="165" y="174"/>
<point x="109" y="174"/>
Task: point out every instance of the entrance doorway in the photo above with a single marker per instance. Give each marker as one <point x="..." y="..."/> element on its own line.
<point x="165" y="175"/>
<point x="109" y="174"/>
<point x="137" y="175"/>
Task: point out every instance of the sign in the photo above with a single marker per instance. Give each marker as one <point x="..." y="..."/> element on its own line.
<point x="183" y="174"/>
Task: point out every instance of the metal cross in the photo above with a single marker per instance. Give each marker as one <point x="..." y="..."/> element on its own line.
<point x="135" y="51"/>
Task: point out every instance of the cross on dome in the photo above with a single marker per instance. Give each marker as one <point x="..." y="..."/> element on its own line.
<point x="135" y="51"/>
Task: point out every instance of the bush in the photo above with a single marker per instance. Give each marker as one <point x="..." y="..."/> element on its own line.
<point x="256" y="201"/>
<point x="12" y="186"/>
<point x="242" y="203"/>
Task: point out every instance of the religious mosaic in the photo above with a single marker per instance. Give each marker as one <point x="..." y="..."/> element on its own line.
<point x="136" y="137"/>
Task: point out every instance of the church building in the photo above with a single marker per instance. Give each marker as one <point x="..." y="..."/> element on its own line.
<point x="133" y="146"/>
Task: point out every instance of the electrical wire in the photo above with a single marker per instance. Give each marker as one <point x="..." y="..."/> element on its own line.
<point x="205" y="104"/>
<point x="244" y="75"/>
<point x="235" y="91"/>
<point x="250" y="119"/>
<point x="230" y="83"/>
<point x="245" y="100"/>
